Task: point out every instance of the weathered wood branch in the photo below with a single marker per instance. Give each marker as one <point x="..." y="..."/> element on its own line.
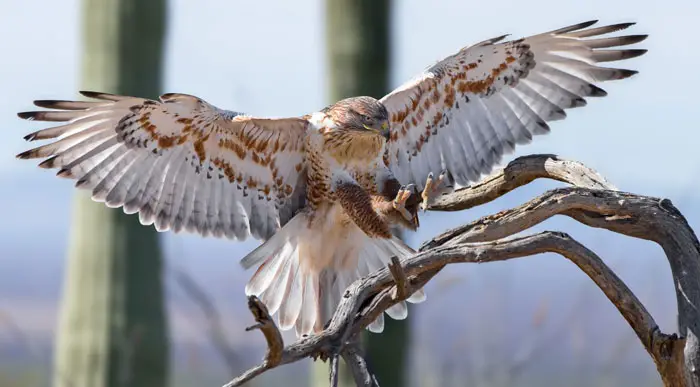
<point x="517" y="173"/>
<point x="335" y="369"/>
<point x="594" y="202"/>
<point x="358" y="366"/>
<point x="400" y="278"/>
<point x="275" y="344"/>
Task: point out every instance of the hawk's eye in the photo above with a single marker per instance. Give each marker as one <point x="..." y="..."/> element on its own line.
<point x="366" y="119"/>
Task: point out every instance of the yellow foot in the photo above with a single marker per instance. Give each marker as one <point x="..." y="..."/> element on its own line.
<point x="400" y="201"/>
<point x="435" y="188"/>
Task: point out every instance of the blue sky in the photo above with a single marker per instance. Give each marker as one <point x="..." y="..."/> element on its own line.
<point x="267" y="58"/>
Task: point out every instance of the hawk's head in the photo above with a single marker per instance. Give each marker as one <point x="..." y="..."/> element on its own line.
<point x="364" y="114"/>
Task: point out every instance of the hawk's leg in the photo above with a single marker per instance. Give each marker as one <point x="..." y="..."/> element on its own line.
<point x="398" y="204"/>
<point x="435" y="188"/>
<point x="358" y="205"/>
<point x="401" y="211"/>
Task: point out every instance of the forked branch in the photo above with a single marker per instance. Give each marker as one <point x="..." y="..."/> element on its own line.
<point x="593" y="202"/>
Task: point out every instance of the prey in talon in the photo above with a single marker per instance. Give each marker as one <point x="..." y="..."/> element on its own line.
<point x="436" y="188"/>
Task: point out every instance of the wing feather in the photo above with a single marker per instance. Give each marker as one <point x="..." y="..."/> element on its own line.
<point x="179" y="162"/>
<point x="468" y="110"/>
<point x="117" y="191"/>
<point x="172" y="184"/>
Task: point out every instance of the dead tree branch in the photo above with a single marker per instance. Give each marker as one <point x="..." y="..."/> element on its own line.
<point x="358" y="366"/>
<point x="335" y="369"/>
<point x="517" y="173"/>
<point x="594" y="202"/>
<point x="399" y="277"/>
<point x="275" y="344"/>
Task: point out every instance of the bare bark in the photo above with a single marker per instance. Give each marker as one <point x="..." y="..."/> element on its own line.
<point x="275" y="344"/>
<point x="519" y="172"/>
<point x="400" y="279"/>
<point x="335" y="368"/>
<point x="594" y="202"/>
<point x="358" y="366"/>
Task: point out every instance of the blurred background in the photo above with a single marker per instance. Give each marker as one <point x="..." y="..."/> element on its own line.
<point x="78" y="282"/>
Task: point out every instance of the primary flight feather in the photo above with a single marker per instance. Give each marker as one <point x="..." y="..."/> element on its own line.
<point x="324" y="189"/>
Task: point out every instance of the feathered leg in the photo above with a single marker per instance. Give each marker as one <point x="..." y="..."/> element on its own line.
<point x="357" y="204"/>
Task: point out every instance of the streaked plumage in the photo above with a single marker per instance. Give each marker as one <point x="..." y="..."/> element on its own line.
<point x="322" y="190"/>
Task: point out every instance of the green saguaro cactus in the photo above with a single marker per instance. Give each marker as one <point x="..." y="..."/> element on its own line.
<point x="358" y="49"/>
<point x="113" y="328"/>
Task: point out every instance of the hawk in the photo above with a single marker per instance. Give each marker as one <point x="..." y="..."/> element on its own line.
<point x="323" y="190"/>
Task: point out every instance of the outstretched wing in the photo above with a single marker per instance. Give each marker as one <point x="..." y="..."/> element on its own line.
<point x="180" y="162"/>
<point x="466" y="111"/>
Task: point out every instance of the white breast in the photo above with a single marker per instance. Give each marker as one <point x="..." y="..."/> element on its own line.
<point x="321" y="123"/>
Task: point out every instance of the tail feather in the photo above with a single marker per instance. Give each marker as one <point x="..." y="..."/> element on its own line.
<point x="305" y="296"/>
<point x="398" y="311"/>
<point x="276" y="293"/>
<point x="417" y="297"/>
<point x="264" y="276"/>
<point x="307" y="316"/>
<point x="377" y="326"/>
<point x="290" y="309"/>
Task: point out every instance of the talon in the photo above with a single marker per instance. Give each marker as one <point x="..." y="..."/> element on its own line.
<point x="399" y="202"/>
<point x="432" y="188"/>
<point x="441" y="179"/>
<point x="426" y="192"/>
<point x="428" y="182"/>
<point x="404" y="196"/>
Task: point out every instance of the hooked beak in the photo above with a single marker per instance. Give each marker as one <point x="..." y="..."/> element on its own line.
<point x="383" y="129"/>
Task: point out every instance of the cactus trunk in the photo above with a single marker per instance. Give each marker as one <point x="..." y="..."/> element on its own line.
<point x="113" y="327"/>
<point x="358" y="49"/>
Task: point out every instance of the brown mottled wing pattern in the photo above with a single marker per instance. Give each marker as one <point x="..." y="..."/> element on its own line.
<point x="464" y="113"/>
<point x="180" y="162"/>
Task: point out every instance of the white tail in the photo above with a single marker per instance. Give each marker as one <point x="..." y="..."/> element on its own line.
<point x="304" y="271"/>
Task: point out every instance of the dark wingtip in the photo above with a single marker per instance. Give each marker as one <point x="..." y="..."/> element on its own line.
<point x="30" y="137"/>
<point x="46" y="103"/>
<point x="623" y="74"/>
<point x="633" y="53"/>
<point x="641" y="38"/>
<point x="622" y="26"/>
<point x="632" y="39"/>
<point x="578" y="102"/>
<point x="99" y="95"/>
<point x="575" y="27"/>
<point x="597" y="91"/>
<point x="24" y="155"/>
<point x="588" y="23"/>
<point x="65" y="173"/>
<point x="27" y="115"/>
<point x="90" y="94"/>
<point x="48" y="163"/>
